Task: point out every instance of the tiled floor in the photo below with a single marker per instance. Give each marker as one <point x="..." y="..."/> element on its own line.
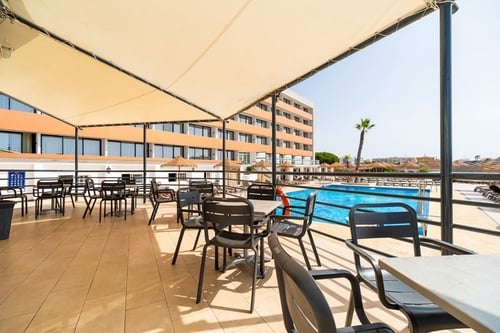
<point x="67" y="274"/>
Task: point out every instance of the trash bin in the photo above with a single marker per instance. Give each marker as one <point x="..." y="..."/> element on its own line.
<point x="6" y="209"/>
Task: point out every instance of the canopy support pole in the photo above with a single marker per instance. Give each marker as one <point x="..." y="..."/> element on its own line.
<point x="144" y="161"/>
<point x="273" y="137"/>
<point x="445" y="120"/>
<point x="223" y="158"/>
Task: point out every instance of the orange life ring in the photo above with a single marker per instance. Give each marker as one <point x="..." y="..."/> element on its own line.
<point x="284" y="199"/>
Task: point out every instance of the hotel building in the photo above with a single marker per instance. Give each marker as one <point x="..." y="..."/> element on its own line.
<point x="29" y="136"/>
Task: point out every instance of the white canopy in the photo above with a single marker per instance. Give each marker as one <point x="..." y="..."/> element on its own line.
<point x="117" y="61"/>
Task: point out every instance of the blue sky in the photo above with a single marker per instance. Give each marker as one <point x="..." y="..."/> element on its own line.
<point x="395" y="83"/>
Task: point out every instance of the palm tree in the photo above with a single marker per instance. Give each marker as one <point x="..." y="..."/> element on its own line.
<point x="364" y="126"/>
<point x="346" y="160"/>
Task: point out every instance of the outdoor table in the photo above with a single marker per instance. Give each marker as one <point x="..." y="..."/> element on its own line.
<point x="466" y="286"/>
<point x="265" y="207"/>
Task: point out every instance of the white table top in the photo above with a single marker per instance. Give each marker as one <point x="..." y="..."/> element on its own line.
<point x="466" y="286"/>
<point x="265" y="206"/>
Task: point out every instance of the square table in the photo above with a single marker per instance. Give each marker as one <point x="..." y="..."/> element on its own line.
<point x="466" y="286"/>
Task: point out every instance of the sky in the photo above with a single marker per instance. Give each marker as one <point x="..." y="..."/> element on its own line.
<point x="395" y="83"/>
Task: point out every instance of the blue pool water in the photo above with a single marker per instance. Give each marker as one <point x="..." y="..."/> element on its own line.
<point x="351" y="199"/>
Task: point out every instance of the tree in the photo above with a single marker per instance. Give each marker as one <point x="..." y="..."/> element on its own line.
<point x="346" y="160"/>
<point x="326" y="157"/>
<point x="364" y="126"/>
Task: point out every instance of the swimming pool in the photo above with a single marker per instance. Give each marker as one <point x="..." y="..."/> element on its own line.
<point x="322" y="211"/>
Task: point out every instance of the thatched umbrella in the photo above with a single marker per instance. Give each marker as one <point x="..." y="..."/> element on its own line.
<point x="261" y="165"/>
<point x="179" y="162"/>
<point x="286" y="166"/>
<point x="337" y="166"/>
<point x="230" y="165"/>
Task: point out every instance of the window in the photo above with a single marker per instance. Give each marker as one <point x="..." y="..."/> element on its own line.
<point x="260" y="123"/>
<point x="306" y="122"/>
<point x="288" y="144"/>
<point x="11" y="104"/>
<point x="11" y="141"/>
<point x="85" y="146"/>
<point x="230" y="155"/>
<point x="296" y="145"/>
<point x="245" y="157"/>
<point x="131" y="149"/>
<point x="167" y="151"/>
<point x="296" y="132"/>
<point x="262" y="106"/>
<point x="287" y="130"/>
<point x="297" y="105"/>
<point x="200" y="153"/>
<point x="245" y="119"/>
<point x="262" y="140"/>
<point x="297" y="119"/>
<point x="200" y="130"/>
<point x="245" y="138"/>
<point x="287" y="115"/>
<point x="286" y="100"/>
<point x="229" y="134"/>
<point x="169" y="127"/>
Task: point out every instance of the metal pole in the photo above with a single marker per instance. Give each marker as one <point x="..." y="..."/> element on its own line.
<point x="273" y="137"/>
<point x="76" y="164"/>
<point x="144" y="161"/>
<point x="224" y="158"/>
<point x="445" y="117"/>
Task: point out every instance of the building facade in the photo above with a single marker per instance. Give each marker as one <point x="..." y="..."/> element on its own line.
<point x="26" y="133"/>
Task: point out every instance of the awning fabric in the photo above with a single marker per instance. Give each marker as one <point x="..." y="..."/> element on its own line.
<point x="117" y="61"/>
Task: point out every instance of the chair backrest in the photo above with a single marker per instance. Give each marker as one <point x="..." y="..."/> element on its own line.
<point x="384" y="220"/>
<point x="50" y="187"/>
<point x="261" y="191"/>
<point x="188" y="202"/>
<point x="205" y="188"/>
<point x="303" y="304"/>
<point x="67" y="179"/>
<point x="310" y="203"/>
<point x="113" y="189"/>
<point x="219" y="213"/>
<point x="90" y="188"/>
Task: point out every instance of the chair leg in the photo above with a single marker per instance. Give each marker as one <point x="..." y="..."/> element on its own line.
<point x="196" y="240"/>
<point x="304" y="253"/>
<point x="100" y="210"/>
<point x="254" y="280"/>
<point x="125" y="211"/>
<point x="314" y="247"/>
<point x="178" y="246"/>
<point x="202" y="273"/>
<point x="262" y="258"/>
<point x="153" y="213"/>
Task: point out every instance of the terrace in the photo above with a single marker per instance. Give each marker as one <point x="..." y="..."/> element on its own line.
<point x="76" y="275"/>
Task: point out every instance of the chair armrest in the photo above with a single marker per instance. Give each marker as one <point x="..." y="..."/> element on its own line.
<point x="455" y="249"/>
<point x="355" y="289"/>
<point x="285" y="217"/>
<point x="377" y="270"/>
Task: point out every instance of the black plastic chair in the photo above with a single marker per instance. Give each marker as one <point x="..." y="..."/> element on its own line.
<point x="304" y="306"/>
<point x="68" y="187"/>
<point x="220" y="214"/>
<point x="205" y="188"/>
<point x="396" y="223"/>
<point x="113" y="192"/>
<point x="288" y="225"/>
<point x="190" y="215"/>
<point x="261" y="191"/>
<point x="158" y="196"/>
<point x="49" y="189"/>
<point x="90" y="195"/>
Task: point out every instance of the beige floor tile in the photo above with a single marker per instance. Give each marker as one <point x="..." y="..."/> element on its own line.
<point x="103" y="314"/>
<point x="149" y="318"/>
